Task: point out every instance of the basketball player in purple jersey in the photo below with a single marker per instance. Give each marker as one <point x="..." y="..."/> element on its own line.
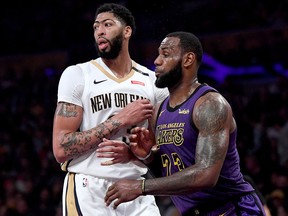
<point x="195" y="135"/>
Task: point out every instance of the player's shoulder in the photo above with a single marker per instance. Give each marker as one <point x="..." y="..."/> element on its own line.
<point x="213" y="96"/>
<point x="142" y="69"/>
<point x="213" y="101"/>
<point x="207" y="94"/>
<point x="84" y="65"/>
<point x="75" y="70"/>
<point x="77" y="67"/>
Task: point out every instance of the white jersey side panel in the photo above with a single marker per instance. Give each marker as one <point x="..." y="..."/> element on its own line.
<point x="103" y="95"/>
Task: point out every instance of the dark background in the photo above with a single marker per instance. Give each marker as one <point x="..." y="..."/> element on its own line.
<point x="245" y="44"/>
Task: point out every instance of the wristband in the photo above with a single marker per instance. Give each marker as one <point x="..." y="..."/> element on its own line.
<point x="144" y="158"/>
<point x="143" y="187"/>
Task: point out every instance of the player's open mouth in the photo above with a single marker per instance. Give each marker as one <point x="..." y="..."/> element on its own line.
<point x="102" y="44"/>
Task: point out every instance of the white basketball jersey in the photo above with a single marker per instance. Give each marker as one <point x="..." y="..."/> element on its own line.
<point x="93" y="86"/>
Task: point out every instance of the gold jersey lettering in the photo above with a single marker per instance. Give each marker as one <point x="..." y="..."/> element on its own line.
<point x="170" y="136"/>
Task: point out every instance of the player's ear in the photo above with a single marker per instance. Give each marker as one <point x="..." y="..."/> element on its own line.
<point x="189" y="59"/>
<point x="127" y="32"/>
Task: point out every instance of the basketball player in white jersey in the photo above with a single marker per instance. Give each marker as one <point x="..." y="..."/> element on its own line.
<point x="103" y="98"/>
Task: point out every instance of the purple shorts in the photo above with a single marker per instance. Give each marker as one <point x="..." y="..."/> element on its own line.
<point x="246" y="205"/>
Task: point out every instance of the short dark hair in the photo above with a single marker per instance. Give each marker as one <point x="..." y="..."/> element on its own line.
<point x="189" y="43"/>
<point x="121" y="12"/>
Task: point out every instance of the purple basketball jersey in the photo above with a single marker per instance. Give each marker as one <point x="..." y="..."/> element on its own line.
<point x="176" y="137"/>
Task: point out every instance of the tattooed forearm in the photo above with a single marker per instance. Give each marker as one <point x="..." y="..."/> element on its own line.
<point x="106" y="129"/>
<point x="70" y="143"/>
<point x="77" y="143"/>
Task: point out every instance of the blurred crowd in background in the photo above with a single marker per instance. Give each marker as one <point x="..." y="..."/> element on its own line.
<point x="30" y="178"/>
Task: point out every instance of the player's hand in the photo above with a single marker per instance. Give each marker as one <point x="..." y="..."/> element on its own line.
<point x="135" y="112"/>
<point x="115" y="149"/>
<point x="123" y="191"/>
<point x="140" y="142"/>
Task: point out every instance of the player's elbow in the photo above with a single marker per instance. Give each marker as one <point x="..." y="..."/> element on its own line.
<point x="202" y="184"/>
<point x="59" y="158"/>
<point x="212" y="180"/>
<point x="59" y="154"/>
<point x="209" y="180"/>
<point x="206" y="184"/>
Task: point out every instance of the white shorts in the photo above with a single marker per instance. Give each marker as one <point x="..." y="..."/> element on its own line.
<point x="84" y="195"/>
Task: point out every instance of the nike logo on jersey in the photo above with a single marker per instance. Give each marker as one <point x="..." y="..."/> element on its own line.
<point x="97" y="82"/>
<point x="161" y="112"/>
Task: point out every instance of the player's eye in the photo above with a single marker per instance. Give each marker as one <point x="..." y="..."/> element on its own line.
<point x="95" y="27"/>
<point x="108" y="24"/>
<point x="165" y="55"/>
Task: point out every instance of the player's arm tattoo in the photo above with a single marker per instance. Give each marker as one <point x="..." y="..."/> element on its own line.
<point x="211" y="117"/>
<point x="66" y="110"/>
<point x="77" y="143"/>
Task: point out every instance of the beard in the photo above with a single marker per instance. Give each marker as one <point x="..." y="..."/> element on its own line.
<point x="170" y="78"/>
<point x="115" y="48"/>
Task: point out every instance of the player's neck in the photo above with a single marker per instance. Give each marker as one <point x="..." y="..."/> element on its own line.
<point x="182" y="92"/>
<point x="120" y="66"/>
